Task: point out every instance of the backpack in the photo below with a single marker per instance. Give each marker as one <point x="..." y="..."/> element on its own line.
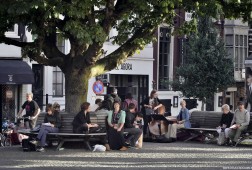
<point x="27" y="146"/>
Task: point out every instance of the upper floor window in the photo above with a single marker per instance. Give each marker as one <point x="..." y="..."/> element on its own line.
<point x="237" y="48"/>
<point x="164" y="58"/>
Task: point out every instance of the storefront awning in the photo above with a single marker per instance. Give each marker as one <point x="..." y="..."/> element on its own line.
<point x="15" y="72"/>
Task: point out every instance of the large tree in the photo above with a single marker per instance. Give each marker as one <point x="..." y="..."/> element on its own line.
<point x="87" y="23"/>
<point x="207" y="68"/>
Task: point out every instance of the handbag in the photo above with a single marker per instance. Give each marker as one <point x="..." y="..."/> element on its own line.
<point x="149" y="111"/>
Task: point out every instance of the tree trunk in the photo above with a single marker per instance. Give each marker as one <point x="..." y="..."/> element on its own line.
<point x="76" y="88"/>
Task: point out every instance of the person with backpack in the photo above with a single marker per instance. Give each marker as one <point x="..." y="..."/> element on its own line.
<point x="32" y="111"/>
<point x="239" y="123"/>
<point x="129" y="99"/>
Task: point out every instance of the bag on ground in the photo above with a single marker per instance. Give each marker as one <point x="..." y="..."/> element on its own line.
<point x="27" y="146"/>
<point x="221" y="138"/>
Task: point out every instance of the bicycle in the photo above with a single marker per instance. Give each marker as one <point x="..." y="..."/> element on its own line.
<point x="5" y="136"/>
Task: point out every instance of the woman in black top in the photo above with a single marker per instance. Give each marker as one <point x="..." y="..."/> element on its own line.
<point x="52" y="123"/>
<point x="150" y="106"/>
<point x="226" y="120"/>
<point x="81" y="122"/>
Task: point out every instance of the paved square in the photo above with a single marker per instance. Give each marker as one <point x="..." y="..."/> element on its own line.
<point x="176" y="156"/>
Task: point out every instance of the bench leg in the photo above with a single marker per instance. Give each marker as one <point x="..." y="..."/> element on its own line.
<point x="193" y="136"/>
<point x="60" y="144"/>
<point x="87" y="143"/>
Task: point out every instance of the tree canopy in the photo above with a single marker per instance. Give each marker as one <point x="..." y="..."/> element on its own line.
<point x="87" y="24"/>
<point x="207" y="68"/>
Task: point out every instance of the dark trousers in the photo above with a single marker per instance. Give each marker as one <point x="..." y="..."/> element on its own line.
<point x="80" y="129"/>
<point x="115" y="139"/>
<point x="44" y="130"/>
<point x="134" y="134"/>
<point x="147" y="119"/>
<point x="30" y="124"/>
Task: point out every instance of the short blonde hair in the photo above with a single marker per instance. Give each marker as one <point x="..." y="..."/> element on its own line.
<point x="29" y="94"/>
<point x="225" y="106"/>
<point x="183" y="101"/>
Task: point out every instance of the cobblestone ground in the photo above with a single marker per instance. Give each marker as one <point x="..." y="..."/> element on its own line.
<point x="175" y="156"/>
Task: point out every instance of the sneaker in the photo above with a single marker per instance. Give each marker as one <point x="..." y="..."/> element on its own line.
<point x="232" y="144"/>
<point x="127" y="144"/>
<point x="34" y="142"/>
<point x="123" y="148"/>
<point x="41" y="149"/>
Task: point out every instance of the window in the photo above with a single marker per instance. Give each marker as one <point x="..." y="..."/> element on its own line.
<point x="58" y="82"/>
<point x="238" y="49"/>
<point x="58" y="76"/>
<point x="61" y="44"/>
<point x="164" y="58"/>
<point x="229" y="40"/>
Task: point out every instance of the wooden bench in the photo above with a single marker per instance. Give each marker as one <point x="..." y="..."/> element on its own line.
<point x="66" y="134"/>
<point x="205" y="122"/>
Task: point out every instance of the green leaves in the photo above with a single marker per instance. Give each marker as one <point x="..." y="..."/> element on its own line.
<point x="207" y="68"/>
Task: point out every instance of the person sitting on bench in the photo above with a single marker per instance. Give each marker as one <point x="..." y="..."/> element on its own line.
<point x="226" y="120"/>
<point x="182" y="122"/>
<point x="239" y="123"/>
<point x="81" y="122"/>
<point x="116" y="120"/>
<point x="52" y="123"/>
<point x="134" y="132"/>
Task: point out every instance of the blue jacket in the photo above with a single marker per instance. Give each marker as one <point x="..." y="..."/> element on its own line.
<point x="185" y="116"/>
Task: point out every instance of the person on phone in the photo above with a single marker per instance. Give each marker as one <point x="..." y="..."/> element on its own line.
<point x="226" y="120"/>
<point x="52" y="123"/>
<point x="81" y="122"/>
<point x="239" y="123"/>
<point x="32" y="111"/>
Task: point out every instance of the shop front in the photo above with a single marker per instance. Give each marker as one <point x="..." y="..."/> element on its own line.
<point x="13" y="74"/>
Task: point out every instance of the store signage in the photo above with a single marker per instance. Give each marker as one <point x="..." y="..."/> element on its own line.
<point x="125" y="66"/>
<point x="10" y="78"/>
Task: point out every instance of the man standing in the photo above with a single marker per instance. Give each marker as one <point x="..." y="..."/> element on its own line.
<point x="32" y="111"/>
<point x="239" y="123"/>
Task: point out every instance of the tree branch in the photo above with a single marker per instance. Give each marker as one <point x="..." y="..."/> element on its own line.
<point x="11" y="41"/>
<point x="122" y="53"/>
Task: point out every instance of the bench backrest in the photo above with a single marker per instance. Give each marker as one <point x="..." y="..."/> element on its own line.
<point x="205" y="119"/>
<point x="209" y="119"/>
<point x="67" y="119"/>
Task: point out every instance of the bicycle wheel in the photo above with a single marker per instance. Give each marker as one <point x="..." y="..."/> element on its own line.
<point x="2" y="138"/>
<point x="7" y="141"/>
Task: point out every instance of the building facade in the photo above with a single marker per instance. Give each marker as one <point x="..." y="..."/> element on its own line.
<point x="16" y="75"/>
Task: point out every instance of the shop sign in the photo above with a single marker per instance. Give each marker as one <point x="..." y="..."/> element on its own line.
<point x="124" y="66"/>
